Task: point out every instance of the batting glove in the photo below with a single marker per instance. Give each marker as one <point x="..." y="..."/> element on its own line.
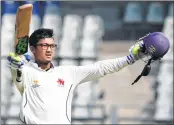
<point x="16" y="61"/>
<point x="136" y="52"/>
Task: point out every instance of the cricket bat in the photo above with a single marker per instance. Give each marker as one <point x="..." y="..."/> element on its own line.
<point x="22" y="28"/>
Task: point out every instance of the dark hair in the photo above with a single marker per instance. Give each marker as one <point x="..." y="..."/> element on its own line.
<point x="39" y="34"/>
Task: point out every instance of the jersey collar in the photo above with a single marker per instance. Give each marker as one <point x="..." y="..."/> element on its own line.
<point x="36" y="66"/>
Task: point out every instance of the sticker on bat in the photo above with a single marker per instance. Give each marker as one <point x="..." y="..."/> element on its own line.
<point x="22" y="46"/>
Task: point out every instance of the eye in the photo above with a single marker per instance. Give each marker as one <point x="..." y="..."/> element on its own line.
<point x="45" y="45"/>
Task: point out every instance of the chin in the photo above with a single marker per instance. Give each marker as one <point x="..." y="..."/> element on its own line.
<point x="48" y="60"/>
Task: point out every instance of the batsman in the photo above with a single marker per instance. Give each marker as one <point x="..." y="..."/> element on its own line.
<point x="47" y="90"/>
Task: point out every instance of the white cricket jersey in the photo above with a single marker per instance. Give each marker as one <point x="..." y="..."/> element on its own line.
<point x="47" y="95"/>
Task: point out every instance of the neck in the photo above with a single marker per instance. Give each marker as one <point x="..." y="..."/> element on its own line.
<point x="44" y="66"/>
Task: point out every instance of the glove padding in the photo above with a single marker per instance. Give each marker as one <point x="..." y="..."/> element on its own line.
<point x="136" y="52"/>
<point x="16" y="62"/>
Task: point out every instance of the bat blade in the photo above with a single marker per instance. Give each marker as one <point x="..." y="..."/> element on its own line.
<point x="22" y="28"/>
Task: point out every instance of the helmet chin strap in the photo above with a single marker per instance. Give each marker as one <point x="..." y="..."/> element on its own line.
<point x="145" y="71"/>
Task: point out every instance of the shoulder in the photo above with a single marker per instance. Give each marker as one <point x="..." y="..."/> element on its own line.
<point x="30" y="66"/>
<point x="65" y="68"/>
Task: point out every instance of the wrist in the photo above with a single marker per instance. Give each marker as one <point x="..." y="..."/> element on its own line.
<point x="130" y="59"/>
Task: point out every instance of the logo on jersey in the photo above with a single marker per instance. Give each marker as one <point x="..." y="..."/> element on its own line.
<point x="35" y="84"/>
<point x="60" y="82"/>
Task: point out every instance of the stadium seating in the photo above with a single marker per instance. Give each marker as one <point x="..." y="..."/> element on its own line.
<point x="6" y="83"/>
<point x="8" y="42"/>
<point x="14" y="121"/>
<point x="92" y="36"/>
<point x="3" y="108"/>
<point x="133" y="20"/>
<point x="14" y="103"/>
<point x="72" y="26"/>
<point x="53" y="20"/>
<point x="83" y="98"/>
<point x="170" y="10"/>
<point x="155" y="14"/>
<point x="82" y="12"/>
<point x="84" y="95"/>
<point x="10" y="9"/>
<point x="8" y="27"/>
<point x="164" y="106"/>
<point x="69" y="44"/>
<point x="133" y="13"/>
<point x="13" y="110"/>
<point x="93" y="27"/>
<point x="5" y="75"/>
<point x="165" y="92"/>
<point x="68" y="62"/>
<point x="89" y="48"/>
<point x="68" y="48"/>
<point x="111" y="17"/>
<point x="16" y="96"/>
<point x="162" y="87"/>
<point x="168" y="31"/>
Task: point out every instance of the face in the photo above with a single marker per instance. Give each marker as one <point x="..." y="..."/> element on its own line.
<point x="44" y="51"/>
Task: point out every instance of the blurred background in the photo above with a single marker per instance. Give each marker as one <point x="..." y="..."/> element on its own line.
<point x="88" y="31"/>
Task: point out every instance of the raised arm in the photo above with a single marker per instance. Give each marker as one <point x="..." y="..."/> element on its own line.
<point x="99" y="69"/>
<point x="102" y="68"/>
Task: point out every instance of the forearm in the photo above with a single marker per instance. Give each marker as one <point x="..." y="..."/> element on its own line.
<point x="17" y="79"/>
<point x="99" y="69"/>
<point x="111" y="65"/>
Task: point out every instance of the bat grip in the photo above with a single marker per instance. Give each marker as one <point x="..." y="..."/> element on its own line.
<point x="19" y="74"/>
